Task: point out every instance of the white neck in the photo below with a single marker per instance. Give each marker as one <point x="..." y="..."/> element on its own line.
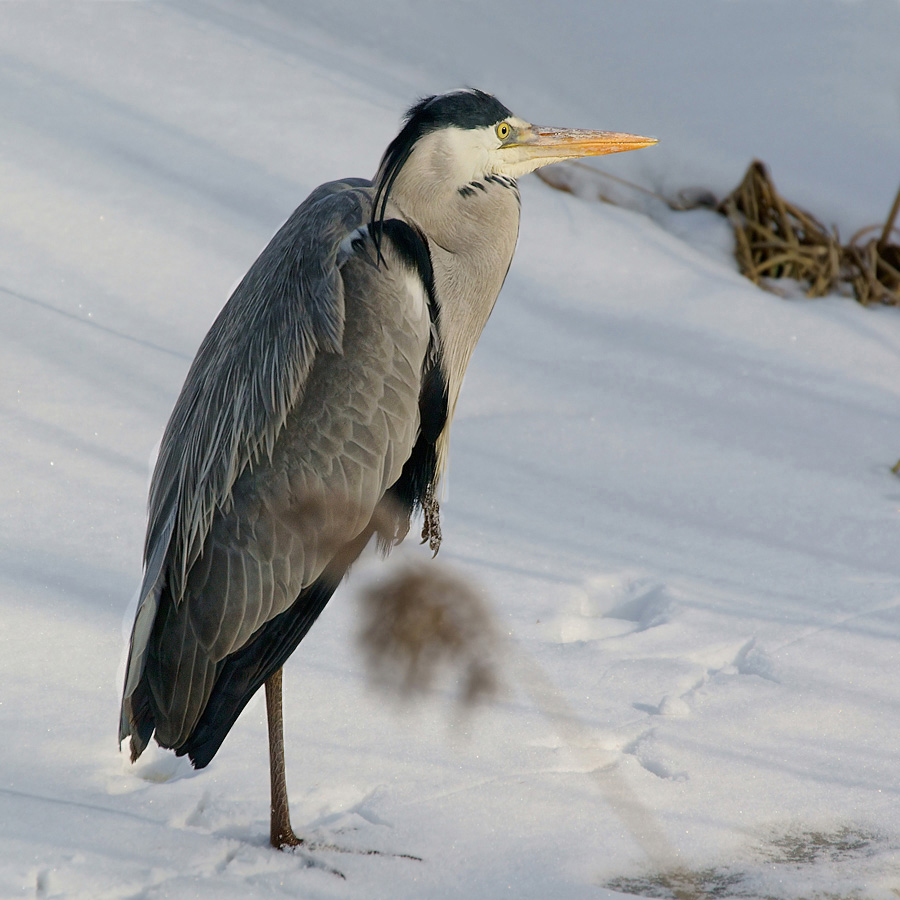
<point x="471" y="220"/>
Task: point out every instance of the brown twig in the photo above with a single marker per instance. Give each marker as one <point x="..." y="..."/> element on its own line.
<point x="889" y="224"/>
<point x="775" y="239"/>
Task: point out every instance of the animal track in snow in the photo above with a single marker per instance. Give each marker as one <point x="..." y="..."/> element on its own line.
<point x="656" y="686"/>
<point x="614" y="605"/>
<point x="341" y="806"/>
<point x="752" y="660"/>
<point x="646" y="603"/>
<point x="648" y="753"/>
<point x="745" y="659"/>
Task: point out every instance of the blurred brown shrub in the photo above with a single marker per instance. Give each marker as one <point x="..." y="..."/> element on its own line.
<point x="423" y="621"/>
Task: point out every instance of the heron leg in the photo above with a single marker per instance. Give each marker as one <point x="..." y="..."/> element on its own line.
<point x="281" y="834"/>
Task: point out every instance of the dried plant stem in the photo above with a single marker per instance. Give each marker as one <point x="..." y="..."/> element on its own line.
<point x="889" y="224"/>
<point x="775" y="239"/>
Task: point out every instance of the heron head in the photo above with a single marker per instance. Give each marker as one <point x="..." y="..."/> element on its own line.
<point x="466" y="135"/>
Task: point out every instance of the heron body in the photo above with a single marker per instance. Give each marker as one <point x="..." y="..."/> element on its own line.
<point x="317" y="412"/>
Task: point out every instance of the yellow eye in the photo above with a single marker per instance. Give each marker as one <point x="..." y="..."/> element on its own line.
<point x="503" y="130"/>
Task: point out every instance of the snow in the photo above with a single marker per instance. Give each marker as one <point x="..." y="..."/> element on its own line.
<point x="673" y="489"/>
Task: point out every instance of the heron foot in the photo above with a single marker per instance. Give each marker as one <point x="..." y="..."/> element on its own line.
<point x="308" y="851"/>
<point x="431" y="524"/>
<point x="288" y="842"/>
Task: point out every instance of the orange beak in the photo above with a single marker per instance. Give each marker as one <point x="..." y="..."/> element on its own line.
<point x="565" y="143"/>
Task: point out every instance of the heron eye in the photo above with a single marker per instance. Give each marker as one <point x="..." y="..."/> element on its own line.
<point x="503" y="130"/>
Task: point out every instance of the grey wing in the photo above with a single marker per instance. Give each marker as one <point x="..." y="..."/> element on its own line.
<point x="306" y="389"/>
<point x="248" y="372"/>
<point x="251" y="369"/>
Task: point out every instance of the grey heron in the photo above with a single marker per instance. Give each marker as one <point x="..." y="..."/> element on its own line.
<point x="316" y="413"/>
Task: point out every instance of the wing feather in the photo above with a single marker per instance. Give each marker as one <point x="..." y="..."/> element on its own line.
<point x="249" y="372"/>
<point x="242" y="533"/>
<point x="251" y="368"/>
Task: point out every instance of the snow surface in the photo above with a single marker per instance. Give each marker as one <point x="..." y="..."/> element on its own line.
<point x="674" y="488"/>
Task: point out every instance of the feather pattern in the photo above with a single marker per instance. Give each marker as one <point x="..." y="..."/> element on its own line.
<point x="290" y="470"/>
<point x="288" y="307"/>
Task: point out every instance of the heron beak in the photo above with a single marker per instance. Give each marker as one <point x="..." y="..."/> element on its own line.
<point x="552" y="144"/>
